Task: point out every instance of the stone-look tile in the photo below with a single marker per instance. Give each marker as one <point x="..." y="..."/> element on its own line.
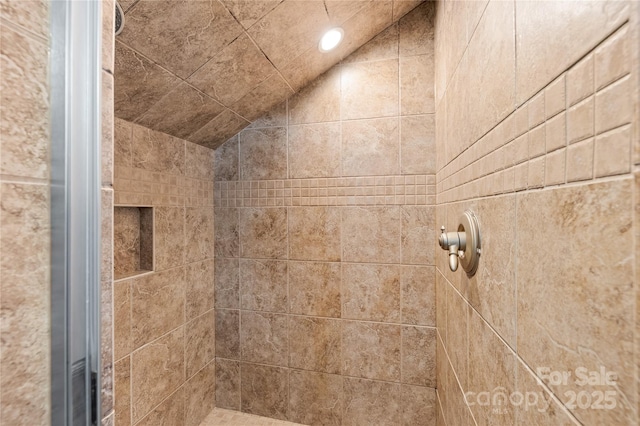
<point x="580" y="120"/>
<point x="314" y="289"/>
<point x="416" y="85"/>
<point x="371" y="292"/>
<point x="612" y="152"/>
<point x="233" y="72"/>
<point x="122" y="391"/>
<point x="265" y="390"/>
<point x="418" y="300"/>
<point x="315" y="398"/>
<point x="226" y="165"/>
<point x="199" y="342"/>
<point x="370" y="147"/>
<point x="157" y="370"/>
<point x="157" y="305"/>
<point x="547" y="46"/>
<point x="419" y="355"/>
<point x="249" y="12"/>
<point x="227" y="384"/>
<point x="109" y="420"/>
<point x="536" y="110"/>
<point x="270" y="93"/>
<point x="264" y="338"/>
<point x="314" y="150"/>
<point x="31" y="15"/>
<point x="227" y="336"/>
<point x="106" y="298"/>
<point x="418" y="234"/>
<point x="371" y="350"/>
<point x="457" y="339"/>
<point x="263" y="153"/>
<point x="580" y="161"/>
<point x="418" y="144"/>
<point x="108" y="35"/>
<point x="169" y="237"/>
<point x="314" y="233"/>
<point x="157" y="152"/>
<point x="370" y="402"/>
<point x="122" y="319"/>
<point x="613" y="58"/>
<point x="170" y="412"/>
<point x="139" y="83"/>
<point x="420" y="405"/>
<point x="290" y="29"/>
<point x="369" y="89"/>
<point x="199" y="287"/>
<point x="179" y="36"/>
<point x="545" y="409"/>
<point x="219" y="130"/>
<point x="263" y="233"/>
<point x="491" y="366"/>
<point x="555" y="168"/>
<point x="25" y="303"/>
<point x="535" y="174"/>
<point x="303" y="70"/>
<point x="382" y="46"/>
<point x="275" y="117"/>
<point x="554" y="97"/>
<point x="556" y="132"/>
<point x="122" y="148"/>
<point x="580" y="80"/>
<point x="227" y="283"/>
<point x="126" y="240"/>
<point x="557" y="285"/>
<point x="315" y="344"/>
<point x="319" y="101"/>
<point x="198" y="233"/>
<point x="200" y="394"/>
<point x="339" y="11"/>
<point x="371" y="234"/>
<point x="416" y="38"/>
<point x="24" y="98"/>
<point x="181" y="112"/>
<point x="491" y="291"/>
<point x="226" y="232"/>
<point x="263" y="285"/>
<point x="106" y="138"/>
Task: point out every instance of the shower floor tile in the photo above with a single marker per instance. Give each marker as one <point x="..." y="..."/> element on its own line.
<point x="222" y="417"/>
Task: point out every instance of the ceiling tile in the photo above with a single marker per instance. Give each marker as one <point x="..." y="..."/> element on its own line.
<point x="306" y="67"/>
<point x="382" y="46"/>
<point x="217" y="131"/>
<point x="181" y="112"/>
<point x="139" y="83"/>
<point x="341" y="10"/>
<point x="402" y="7"/>
<point x="179" y="35"/>
<point x="290" y="29"/>
<point x="248" y="12"/>
<point x="262" y="98"/>
<point x="276" y="116"/>
<point x="234" y="72"/>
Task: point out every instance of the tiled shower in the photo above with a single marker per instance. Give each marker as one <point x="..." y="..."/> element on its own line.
<point x="271" y="213"/>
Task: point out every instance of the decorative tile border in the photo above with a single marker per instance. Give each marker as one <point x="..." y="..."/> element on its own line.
<point x="349" y="191"/>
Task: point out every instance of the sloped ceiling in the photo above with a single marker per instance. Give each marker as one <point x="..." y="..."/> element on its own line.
<point x="202" y="70"/>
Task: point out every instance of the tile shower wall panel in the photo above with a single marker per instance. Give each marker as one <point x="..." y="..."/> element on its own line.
<point x="164" y="323"/>
<point x="324" y="224"/>
<point x="24" y="213"/>
<point x="541" y="149"/>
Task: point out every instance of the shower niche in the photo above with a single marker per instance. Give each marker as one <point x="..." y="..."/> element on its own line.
<point x="132" y="241"/>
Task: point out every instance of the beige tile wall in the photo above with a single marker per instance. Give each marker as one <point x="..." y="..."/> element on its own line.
<point x="325" y="219"/>
<point x="164" y="320"/>
<point x="24" y="213"/>
<point x="536" y="121"/>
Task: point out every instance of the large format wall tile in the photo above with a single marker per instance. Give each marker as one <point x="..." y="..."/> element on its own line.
<point x="265" y="391"/>
<point x="315" y="289"/>
<point x="263" y="233"/>
<point x="371" y="292"/>
<point x="198" y="233"/>
<point x="199" y="343"/>
<point x="227" y="325"/>
<point x="419" y="356"/>
<point x="369" y="402"/>
<point x="371" y="234"/>
<point x="157" y="370"/>
<point x="199" y="288"/>
<point x="314" y="150"/>
<point x="264" y="338"/>
<point x="315" y="398"/>
<point x="315" y="344"/>
<point x="606" y="322"/>
<point x="370" y="89"/>
<point x="227" y="283"/>
<point x="263" y="285"/>
<point x="157" y="152"/>
<point x="263" y="153"/>
<point x="371" y="350"/>
<point x="227" y="384"/>
<point x="200" y="395"/>
<point x="314" y="233"/>
<point x="169" y="237"/>
<point x="24" y="102"/>
<point x="370" y="147"/>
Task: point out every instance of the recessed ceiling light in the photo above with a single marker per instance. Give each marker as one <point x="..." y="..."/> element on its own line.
<point x="331" y="39"/>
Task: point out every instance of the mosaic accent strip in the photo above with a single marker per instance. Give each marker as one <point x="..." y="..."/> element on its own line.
<point x="352" y="191"/>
